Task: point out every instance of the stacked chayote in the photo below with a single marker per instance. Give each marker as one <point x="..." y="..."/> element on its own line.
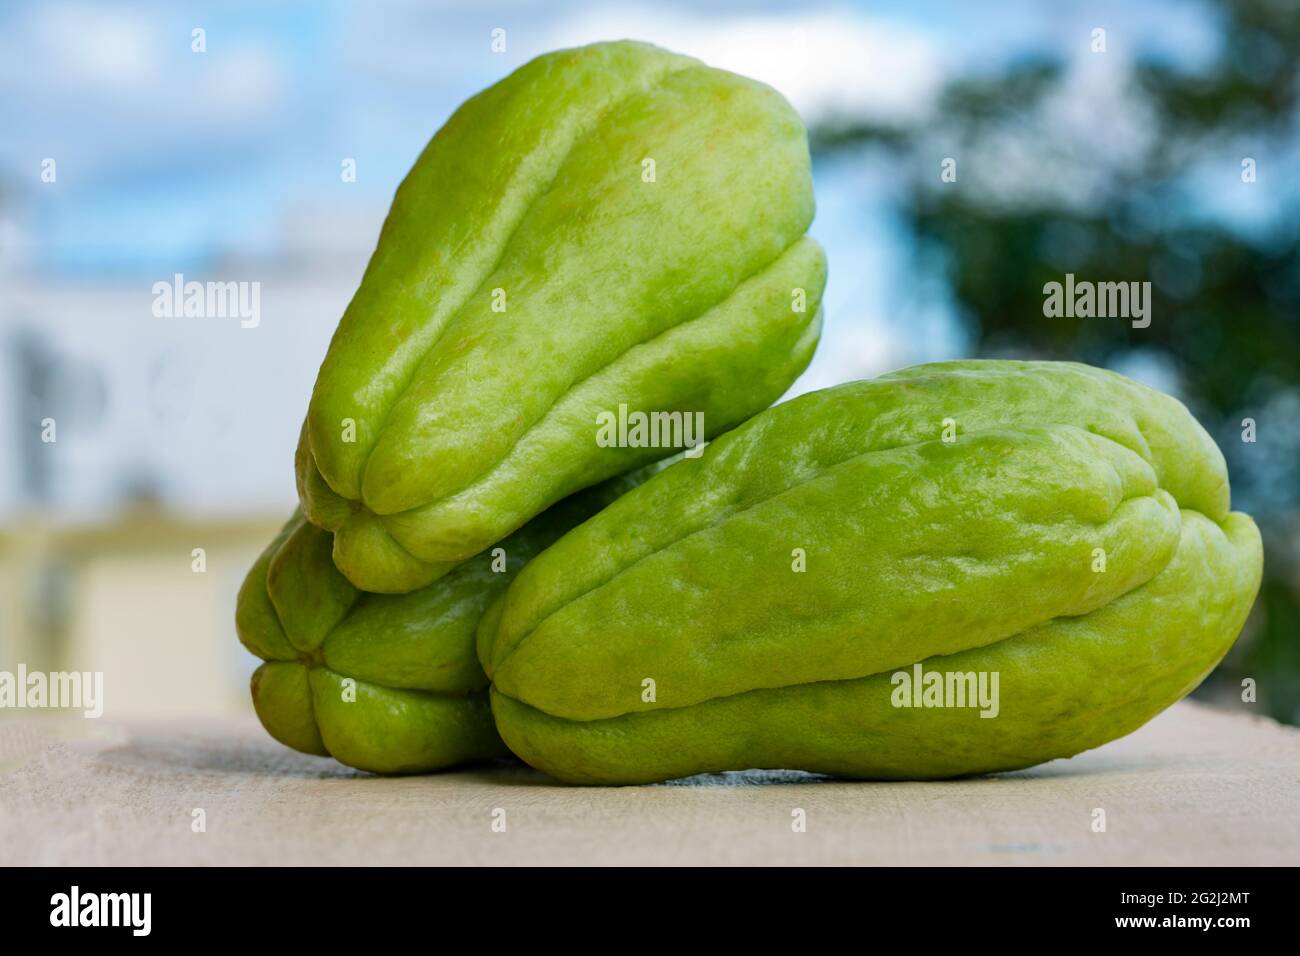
<point x="608" y="225"/>
<point x="1057" y="525"/>
<point x="619" y="227"/>
<point x="384" y="682"/>
<point x="381" y="682"/>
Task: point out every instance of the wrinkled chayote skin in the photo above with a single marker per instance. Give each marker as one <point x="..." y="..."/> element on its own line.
<point x="420" y="701"/>
<point x="976" y="555"/>
<point x="608" y="225"/>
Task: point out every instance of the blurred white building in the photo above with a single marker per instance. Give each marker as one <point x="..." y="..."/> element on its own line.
<point x="171" y="435"/>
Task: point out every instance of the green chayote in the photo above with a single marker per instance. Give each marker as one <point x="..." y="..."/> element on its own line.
<point x="767" y="605"/>
<point x="383" y="682"/>
<point x="609" y="225"/>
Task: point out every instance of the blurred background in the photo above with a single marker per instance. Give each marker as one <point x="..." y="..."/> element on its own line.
<point x="1116" y="141"/>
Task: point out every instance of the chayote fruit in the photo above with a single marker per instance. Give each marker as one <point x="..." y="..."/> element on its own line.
<point x="1075" y="539"/>
<point x="610" y="225"/>
<point x="420" y="700"/>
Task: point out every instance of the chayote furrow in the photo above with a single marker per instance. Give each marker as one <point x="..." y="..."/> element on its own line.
<point x="1056" y="525"/>
<point x="610" y="225"/>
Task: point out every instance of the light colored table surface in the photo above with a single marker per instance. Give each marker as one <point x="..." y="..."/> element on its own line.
<point x="1195" y="786"/>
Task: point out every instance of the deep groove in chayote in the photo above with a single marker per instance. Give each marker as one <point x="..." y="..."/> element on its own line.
<point x="693" y="289"/>
<point x="420" y="700"/>
<point x="975" y="555"/>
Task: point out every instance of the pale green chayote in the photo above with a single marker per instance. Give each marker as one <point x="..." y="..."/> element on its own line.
<point x="613" y="224"/>
<point x="1075" y="538"/>
<point x="384" y="682"/>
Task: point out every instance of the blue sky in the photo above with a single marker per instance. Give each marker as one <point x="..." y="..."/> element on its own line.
<point x="167" y="158"/>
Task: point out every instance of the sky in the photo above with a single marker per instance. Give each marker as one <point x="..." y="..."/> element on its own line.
<point x="170" y="160"/>
<point x="168" y="156"/>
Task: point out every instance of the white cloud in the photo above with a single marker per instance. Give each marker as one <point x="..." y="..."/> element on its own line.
<point x="1068" y="149"/>
<point x="243" y="84"/>
<point x="87" y="45"/>
<point x="128" y="65"/>
<point x="827" y="63"/>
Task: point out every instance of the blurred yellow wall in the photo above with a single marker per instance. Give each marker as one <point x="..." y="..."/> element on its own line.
<point x="123" y="598"/>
